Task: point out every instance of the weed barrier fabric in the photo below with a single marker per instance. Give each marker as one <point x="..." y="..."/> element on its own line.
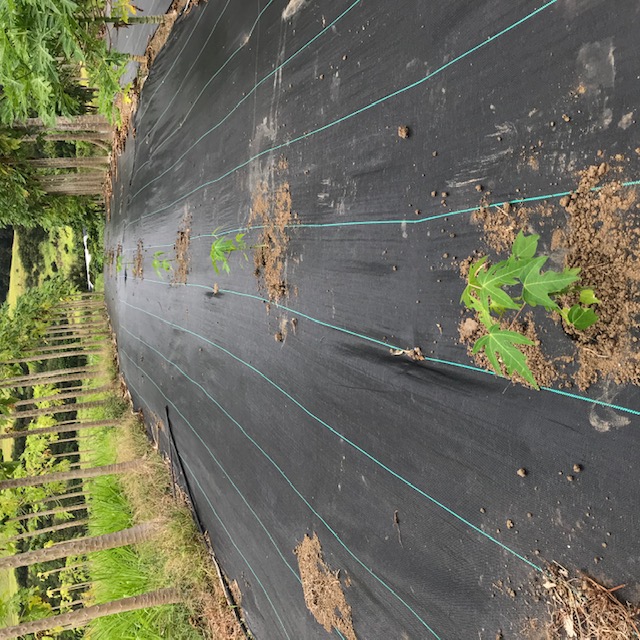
<point x="406" y="470"/>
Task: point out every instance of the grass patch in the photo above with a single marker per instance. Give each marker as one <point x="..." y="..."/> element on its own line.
<point x="178" y="557"/>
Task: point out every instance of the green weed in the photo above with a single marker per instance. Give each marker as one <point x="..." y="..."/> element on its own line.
<point x="486" y="293"/>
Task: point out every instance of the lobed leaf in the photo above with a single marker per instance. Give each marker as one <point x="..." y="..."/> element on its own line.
<point x="538" y="287"/>
<point x="500" y="345"/>
<point x="525" y="246"/>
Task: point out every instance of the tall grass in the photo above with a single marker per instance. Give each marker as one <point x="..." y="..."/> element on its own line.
<point x="177" y="558"/>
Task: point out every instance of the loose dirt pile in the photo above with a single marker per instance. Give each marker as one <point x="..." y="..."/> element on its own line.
<point x="323" y="592"/>
<point x="603" y="240"/>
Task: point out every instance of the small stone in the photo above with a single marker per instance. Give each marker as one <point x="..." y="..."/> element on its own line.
<point x="395" y="267"/>
<point x="279" y="337"/>
<point x="565" y="201"/>
<point x="216" y="288"/>
<point x="510" y="524"/>
<point x="418" y="212"/>
<point x="499" y="138"/>
<point x="604" y="545"/>
<point x="321" y="76"/>
<point x="638" y="150"/>
<point x="483" y="510"/>
<point x="603" y="168"/>
<point x="577" y="468"/>
<point x="522" y="472"/>
<point x="434" y="194"/>
<point x="444" y="194"/>
<point x="344" y="57"/>
<point x="445" y="255"/>
<point x="403" y="132"/>
<point x="434" y="154"/>
<point x="566" y="118"/>
<point x="479" y="187"/>
<point x="529" y="514"/>
<point x="570" y="478"/>
<point x="552" y="123"/>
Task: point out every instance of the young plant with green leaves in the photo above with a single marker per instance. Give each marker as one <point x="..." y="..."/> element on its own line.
<point x="514" y="283"/>
<point x="222" y="248"/>
<point x="160" y="264"/>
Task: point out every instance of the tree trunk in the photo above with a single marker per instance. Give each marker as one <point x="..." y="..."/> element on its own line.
<point x="63" y="408"/>
<point x="63" y="496"/>
<point x="55" y="456"/>
<point x="46" y="574"/>
<point x="73" y="587"/>
<point x="77" y="327"/>
<point x="61" y="476"/>
<point x="118" y="22"/>
<point x="68" y="162"/>
<point x="56" y="340"/>
<point x="74" y="439"/>
<point x="83" y="546"/>
<point x="81" y="617"/>
<point x="56" y="527"/>
<point x="49" y="512"/>
<point x="58" y="428"/>
<point x="41" y="378"/>
<point x="88" y="122"/>
<point x="46" y="356"/>
<point x="80" y="393"/>
<point x="61" y="348"/>
<point x="67" y="605"/>
<point x="72" y="136"/>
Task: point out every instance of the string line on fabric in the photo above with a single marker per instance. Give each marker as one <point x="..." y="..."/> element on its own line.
<point x="244" y="98"/>
<point x="340" y="435"/>
<point x="395" y="347"/>
<point x="245" y="41"/>
<point x="148" y="100"/>
<point x="396" y="221"/>
<point x="344" y="118"/>
<point x="280" y="471"/>
<point x="214" y="511"/>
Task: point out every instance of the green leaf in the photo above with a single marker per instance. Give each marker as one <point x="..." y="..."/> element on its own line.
<point x="581" y="317"/>
<point x="491" y="281"/>
<point x="537" y="287"/>
<point x="525" y="246"/>
<point x="501" y="343"/>
<point x="588" y="296"/>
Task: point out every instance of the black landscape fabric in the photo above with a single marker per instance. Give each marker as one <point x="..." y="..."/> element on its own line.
<point x="321" y="130"/>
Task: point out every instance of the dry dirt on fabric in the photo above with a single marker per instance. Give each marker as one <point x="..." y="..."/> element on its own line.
<point x="271" y="210"/>
<point x="603" y="240"/>
<point x="181" y="248"/>
<point x="323" y="592"/>
<point x="138" y="261"/>
<point x="601" y="236"/>
<point x="583" y="609"/>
